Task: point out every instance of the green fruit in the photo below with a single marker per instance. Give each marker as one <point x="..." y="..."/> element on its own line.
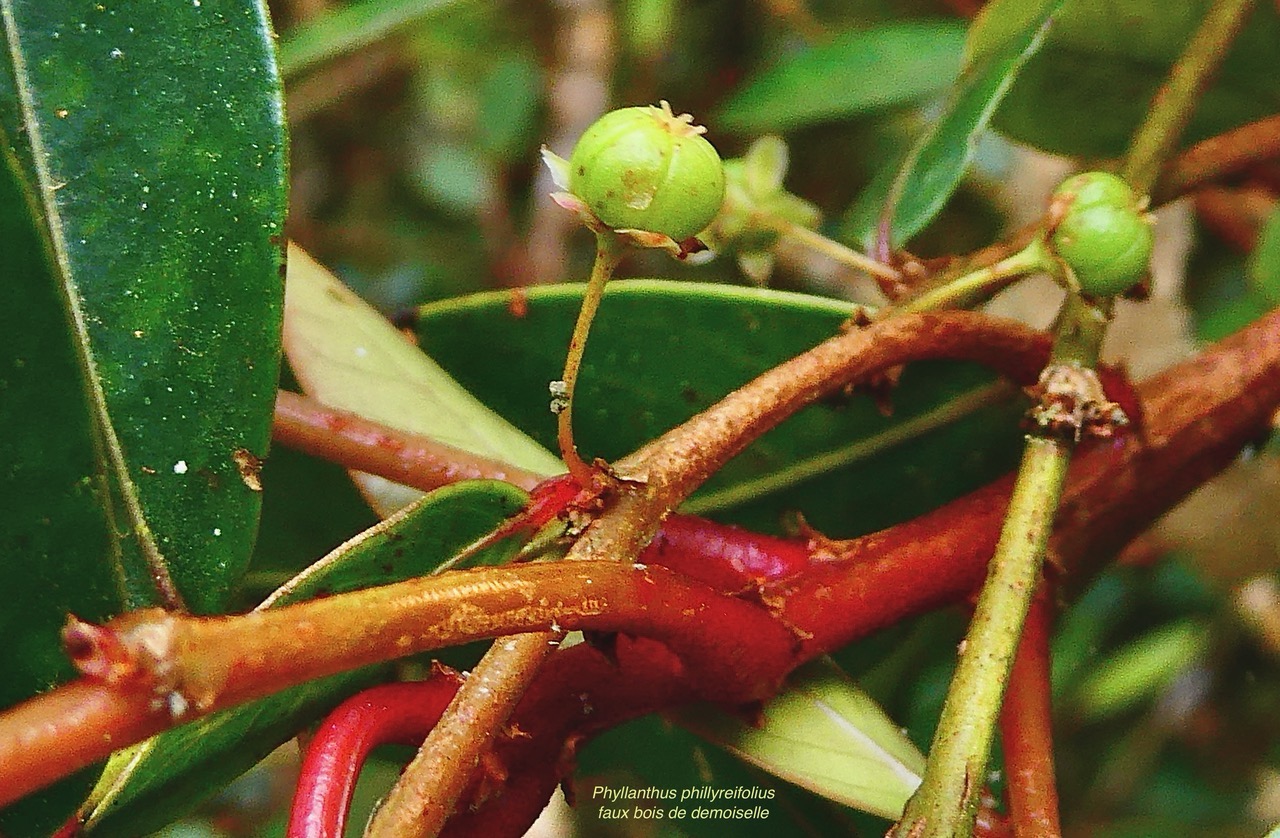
<point x="1104" y="236"/>
<point x="644" y="168"/>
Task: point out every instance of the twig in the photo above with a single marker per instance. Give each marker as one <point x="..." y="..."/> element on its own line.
<point x="402" y="713"/>
<point x="664" y="472"/>
<point x="834" y="250"/>
<point x="358" y="443"/>
<point x="1219" y="156"/>
<point x="169" y="667"/>
<point x="425" y="795"/>
<point x="1203" y="411"/>
<point x="1026" y="730"/>
<point x="946" y="802"/>
<point x="979" y="284"/>
<point x="1173" y="105"/>
<point x="1235" y="215"/>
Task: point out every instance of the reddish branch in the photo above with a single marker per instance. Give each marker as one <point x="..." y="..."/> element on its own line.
<point x="1026" y="733"/>
<point x="1235" y="215"/>
<point x="1220" y="156"/>
<point x="389" y="713"/>
<point x="357" y="443"/>
<point x="430" y="787"/>
<point x="1201" y="414"/>
<point x="164" y="668"/>
<point x="667" y="470"/>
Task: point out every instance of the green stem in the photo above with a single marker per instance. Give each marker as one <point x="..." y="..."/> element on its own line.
<point x="946" y="803"/>
<point x="833" y="250"/>
<point x="1155" y="140"/>
<point x="609" y="251"/>
<point x="973" y="287"/>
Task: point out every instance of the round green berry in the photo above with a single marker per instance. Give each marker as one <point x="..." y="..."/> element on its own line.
<point x="644" y="168"/>
<point x="1104" y="235"/>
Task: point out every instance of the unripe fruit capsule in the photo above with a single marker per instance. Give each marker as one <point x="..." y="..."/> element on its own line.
<point x="644" y="168"/>
<point x="1104" y="236"/>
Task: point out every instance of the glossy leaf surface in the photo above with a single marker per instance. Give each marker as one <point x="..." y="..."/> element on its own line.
<point x="1089" y="88"/>
<point x="846" y="76"/>
<point x="143" y="179"/>
<point x="157" y="163"/>
<point x="170" y="773"/>
<point x="662" y="351"/>
<point x="56" y="533"/>
<point x="1006" y="34"/>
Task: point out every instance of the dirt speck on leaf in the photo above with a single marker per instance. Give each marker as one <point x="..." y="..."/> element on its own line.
<point x="250" y="468"/>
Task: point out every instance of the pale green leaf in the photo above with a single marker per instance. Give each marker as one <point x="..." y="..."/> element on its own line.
<point x="349" y="357"/>
<point x="823" y="734"/>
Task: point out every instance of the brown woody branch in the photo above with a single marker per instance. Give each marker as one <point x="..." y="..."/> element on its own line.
<point x="1219" y="156"/>
<point x="1201" y="413"/>
<point x="357" y="443"/>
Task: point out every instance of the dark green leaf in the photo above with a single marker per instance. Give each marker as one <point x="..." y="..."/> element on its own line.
<point x="1221" y="292"/>
<point x="1089" y="88"/>
<point x="661" y="351"/>
<point x="56" y="533"/>
<point x="847" y="76"/>
<point x="158" y="155"/>
<point x="1005" y="35"/>
<point x="170" y="773"/>
<point x="309" y="507"/>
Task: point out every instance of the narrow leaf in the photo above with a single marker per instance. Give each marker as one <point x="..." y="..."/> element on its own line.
<point x="157" y="781"/>
<point x="1140" y="670"/>
<point x="823" y="734"/>
<point x="1264" y="262"/>
<point x="1004" y="36"/>
<point x="348" y="356"/>
<point x="847" y="76"/>
<point x="351" y="27"/>
<point x="157" y="167"/>
<point x="56" y="534"/>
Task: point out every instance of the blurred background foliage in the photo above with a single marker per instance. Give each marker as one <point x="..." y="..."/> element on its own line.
<point x="415" y="174"/>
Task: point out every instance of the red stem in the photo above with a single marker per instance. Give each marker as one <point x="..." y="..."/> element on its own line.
<point x="358" y="443"/>
<point x="1202" y="412"/>
<point x="1026" y="730"/>
<point x="399" y="713"/>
